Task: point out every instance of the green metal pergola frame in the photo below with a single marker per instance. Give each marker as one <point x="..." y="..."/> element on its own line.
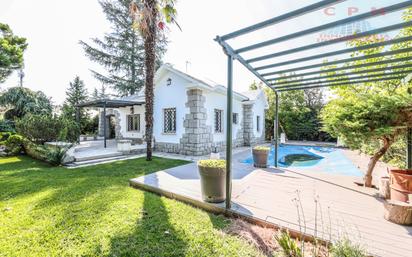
<point x="402" y="65"/>
<point x="104" y="104"/>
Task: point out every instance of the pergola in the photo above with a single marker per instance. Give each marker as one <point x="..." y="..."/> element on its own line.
<point x="320" y="72"/>
<point x="106" y="103"/>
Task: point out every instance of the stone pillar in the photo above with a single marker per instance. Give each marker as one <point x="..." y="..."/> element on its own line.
<point x="102" y="120"/>
<point x="197" y="139"/>
<point x="248" y="135"/>
<point x="101" y="124"/>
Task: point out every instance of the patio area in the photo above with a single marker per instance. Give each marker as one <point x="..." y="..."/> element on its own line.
<point x="270" y="197"/>
<point x="94" y="150"/>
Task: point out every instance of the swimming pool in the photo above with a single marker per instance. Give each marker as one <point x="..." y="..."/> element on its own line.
<point x="312" y="158"/>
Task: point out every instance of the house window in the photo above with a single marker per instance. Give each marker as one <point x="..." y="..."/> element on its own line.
<point x="169" y="116"/>
<point x="235" y="118"/>
<point x="133" y="122"/>
<point x="218" y="121"/>
<point x="258" y="123"/>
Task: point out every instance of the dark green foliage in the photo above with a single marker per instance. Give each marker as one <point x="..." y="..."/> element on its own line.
<point x="20" y="100"/>
<point x="35" y="151"/>
<point x="4" y="136"/>
<point x="120" y="52"/>
<point x="44" y="128"/>
<point x="14" y="144"/>
<point x="90" y="125"/>
<point x="360" y="117"/>
<point x="7" y="125"/>
<point x="12" y="48"/>
<point x="55" y="155"/>
<point x="75" y="95"/>
<point x="298" y="114"/>
<point x="69" y="130"/>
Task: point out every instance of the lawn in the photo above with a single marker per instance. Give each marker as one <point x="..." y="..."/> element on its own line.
<point x="92" y="211"/>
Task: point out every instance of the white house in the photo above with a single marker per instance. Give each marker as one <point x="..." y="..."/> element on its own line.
<point x="189" y="115"/>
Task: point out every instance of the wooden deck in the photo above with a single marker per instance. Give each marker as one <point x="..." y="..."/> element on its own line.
<point x="275" y="196"/>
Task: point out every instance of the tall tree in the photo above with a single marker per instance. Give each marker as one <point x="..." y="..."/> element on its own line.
<point x="148" y="20"/>
<point x="298" y="113"/>
<point x="121" y="52"/>
<point x="11" y="51"/>
<point x="100" y="94"/>
<point x="76" y="94"/>
<point x="20" y="100"/>
<point x="372" y="112"/>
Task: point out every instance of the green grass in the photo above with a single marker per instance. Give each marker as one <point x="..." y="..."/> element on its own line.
<point x="92" y="211"/>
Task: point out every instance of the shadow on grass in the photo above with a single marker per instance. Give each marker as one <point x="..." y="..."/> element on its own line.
<point x="76" y="201"/>
<point x="29" y="176"/>
<point x="153" y="234"/>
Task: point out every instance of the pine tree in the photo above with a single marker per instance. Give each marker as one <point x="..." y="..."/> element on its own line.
<point x="121" y="52"/>
<point x="100" y="94"/>
<point x="76" y="93"/>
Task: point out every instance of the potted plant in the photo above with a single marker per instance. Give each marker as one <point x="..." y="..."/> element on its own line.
<point x="260" y="156"/>
<point x="401" y="184"/>
<point x="212" y="180"/>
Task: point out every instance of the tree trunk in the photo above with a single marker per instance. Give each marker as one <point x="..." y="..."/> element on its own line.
<point x="150" y="57"/>
<point x="387" y="142"/>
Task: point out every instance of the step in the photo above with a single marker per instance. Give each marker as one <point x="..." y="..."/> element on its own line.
<point x="98" y="157"/>
<point x="77" y="164"/>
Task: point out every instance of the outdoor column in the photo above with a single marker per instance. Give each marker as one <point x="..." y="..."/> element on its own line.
<point x="409" y="148"/>
<point x="409" y="143"/>
<point x="276" y="128"/>
<point x="229" y="132"/>
<point x="78" y="121"/>
<point x="105" y="123"/>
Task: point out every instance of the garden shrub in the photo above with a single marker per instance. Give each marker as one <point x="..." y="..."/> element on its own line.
<point x="4" y="136"/>
<point x="47" y="128"/>
<point x="90" y="125"/>
<point x="70" y="130"/>
<point x="346" y="248"/>
<point x="55" y="155"/>
<point x="290" y="247"/>
<point x="7" y="126"/>
<point x="14" y="144"/>
<point x="50" y="154"/>
<point x="35" y="151"/>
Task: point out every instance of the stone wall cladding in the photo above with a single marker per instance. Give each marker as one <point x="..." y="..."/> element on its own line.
<point x="197" y="139"/>
<point x="248" y="135"/>
<point x="109" y="112"/>
<point x="168" y="147"/>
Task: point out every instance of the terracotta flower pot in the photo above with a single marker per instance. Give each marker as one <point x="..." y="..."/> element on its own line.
<point x="260" y="158"/>
<point x="401" y="184"/>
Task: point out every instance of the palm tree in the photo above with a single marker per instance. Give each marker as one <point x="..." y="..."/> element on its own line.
<point x="149" y="18"/>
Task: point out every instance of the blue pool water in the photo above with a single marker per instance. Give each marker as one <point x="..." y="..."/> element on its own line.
<point x="312" y="158"/>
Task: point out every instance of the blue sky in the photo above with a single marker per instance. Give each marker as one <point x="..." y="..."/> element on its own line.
<point x="54" y="27"/>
